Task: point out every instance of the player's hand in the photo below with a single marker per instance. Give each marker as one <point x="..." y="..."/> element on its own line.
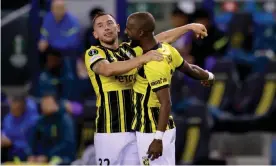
<point x="207" y="83"/>
<point x="155" y="149"/>
<point x="152" y="55"/>
<point x="42" y="45"/>
<point x="199" y="30"/>
<point x="5" y="141"/>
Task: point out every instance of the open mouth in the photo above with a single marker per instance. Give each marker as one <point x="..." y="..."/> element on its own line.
<point x="109" y="34"/>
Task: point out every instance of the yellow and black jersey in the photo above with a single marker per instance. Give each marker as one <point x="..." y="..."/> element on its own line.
<point x="114" y="94"/>
<point x="150" y="78"/>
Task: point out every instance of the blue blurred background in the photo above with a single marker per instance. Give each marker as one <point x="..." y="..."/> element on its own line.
<point x="42" y="64"/>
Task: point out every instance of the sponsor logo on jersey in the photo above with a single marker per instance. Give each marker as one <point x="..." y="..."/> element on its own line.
<point x="126" y="78"/>
<point x="158" y="82"/>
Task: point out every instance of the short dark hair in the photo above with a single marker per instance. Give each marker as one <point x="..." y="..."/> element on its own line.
<point x="144" y="20"/>
<point x="94" y="12"/>
<point x="201" y="14"/>
<point x="50" y="94"/>
<point x="99" y="15"/>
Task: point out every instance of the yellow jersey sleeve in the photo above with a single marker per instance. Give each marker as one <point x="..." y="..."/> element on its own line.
<point x="157" y="74"/>
<point x="177" y="59"/>
<point x="138" y="51"/>
<point x="94" y="55"/>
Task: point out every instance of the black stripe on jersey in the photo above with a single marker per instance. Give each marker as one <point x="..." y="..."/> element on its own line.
<point x="158" y="45"/>
<point x="108" y="56"/>
<point x="171" y="123"/>
<point x="180" y="65"/>
<point x="138" y="106"/>
<point x="101" y="120"/>
<point x="148" y="127"/>
<point x="91" y="66"/>
<point x="114" y="108"/>
<point x="129" y="48"/>
<point x="123" y="54"/>
<point x="141" y="72"/>
<point x="118" y="57"/>
<point x="161" y="87"/>
<point x="156" y="112"/>
<point x="155" y="115"/>
<point x="128" y="108"/>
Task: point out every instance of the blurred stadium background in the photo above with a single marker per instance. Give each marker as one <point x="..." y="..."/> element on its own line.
<point x="231" y="123"/>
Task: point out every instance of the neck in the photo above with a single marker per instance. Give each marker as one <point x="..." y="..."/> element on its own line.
<point x="148" y="43"/>
<point x="113" y="46"/>
<point x="20" y="115"/>
<point x="59" y="19"/>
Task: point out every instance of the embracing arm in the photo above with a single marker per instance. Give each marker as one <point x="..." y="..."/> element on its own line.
<point x="191" y="70"/>
<point x="107" y="69"/>
<point x="103" y="67"/>
<point x="172" y="35"/>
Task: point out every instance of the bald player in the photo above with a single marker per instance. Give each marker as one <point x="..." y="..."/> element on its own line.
<point x="155" y="129"/>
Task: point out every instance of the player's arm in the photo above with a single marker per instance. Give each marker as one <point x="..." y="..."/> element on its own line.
<point x="172" y="35"/>
<point x="100" y="65"/>
<point x="158" y="75"/>
<point x="44" y="33"/>
<point x="194" y="71"/>
<point x="164" y="98"/>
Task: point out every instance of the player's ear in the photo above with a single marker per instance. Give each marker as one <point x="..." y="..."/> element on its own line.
<point x="95" y="35"/>
<point x="118" y="28"/>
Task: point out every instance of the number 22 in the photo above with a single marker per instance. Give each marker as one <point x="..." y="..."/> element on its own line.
<point x="105" y="160"/>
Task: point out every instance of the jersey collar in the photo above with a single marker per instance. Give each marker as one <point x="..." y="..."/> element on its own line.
<point x="115" y="50"/>
<point x="158" y="45"/>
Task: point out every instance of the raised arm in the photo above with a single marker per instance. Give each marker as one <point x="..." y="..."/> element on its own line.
<point x="96" y="62"/>
<point x="172" y="35"/>
<point x="207" y="78"/>
<point x="191" y="70"/>
<point x="194" y="71"/>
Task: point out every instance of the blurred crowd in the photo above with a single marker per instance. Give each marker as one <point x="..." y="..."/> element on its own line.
<point x="49" y="125"/>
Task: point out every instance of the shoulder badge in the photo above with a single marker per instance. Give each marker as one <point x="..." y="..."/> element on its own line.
<point x="93" y="52"/>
